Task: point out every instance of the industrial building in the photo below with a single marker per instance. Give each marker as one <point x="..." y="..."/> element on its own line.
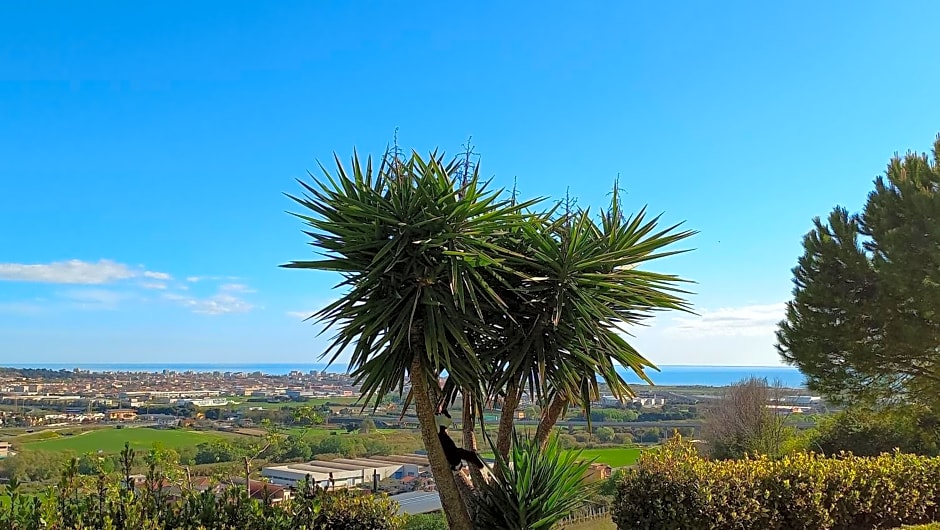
<point x="347" y="472"/>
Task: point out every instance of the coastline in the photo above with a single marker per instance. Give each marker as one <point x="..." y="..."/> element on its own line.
<point x="669" y="375"/>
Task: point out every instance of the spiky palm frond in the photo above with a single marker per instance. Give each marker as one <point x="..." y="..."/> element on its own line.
<point x="575" y="290"/>
<point x="409" y="242"/>
<point x="538" y="487"/>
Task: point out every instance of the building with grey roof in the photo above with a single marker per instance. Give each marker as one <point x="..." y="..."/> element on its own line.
<point x="347" y="472"/>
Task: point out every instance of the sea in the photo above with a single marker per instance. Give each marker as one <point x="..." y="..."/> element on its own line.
<point x="669" y="375"/>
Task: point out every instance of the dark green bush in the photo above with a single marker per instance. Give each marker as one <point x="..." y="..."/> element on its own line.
<point x="870" y="432"/>
<point x="677" y="489"/>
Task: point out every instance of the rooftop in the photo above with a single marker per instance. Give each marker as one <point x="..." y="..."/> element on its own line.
<point x="415" y="502"/>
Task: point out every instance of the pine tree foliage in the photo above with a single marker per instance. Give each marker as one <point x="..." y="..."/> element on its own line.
<point x="864" y="322"/>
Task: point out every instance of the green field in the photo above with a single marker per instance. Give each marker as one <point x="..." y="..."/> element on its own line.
<point x="112" y="440"/>
<point x="613" y="456"/>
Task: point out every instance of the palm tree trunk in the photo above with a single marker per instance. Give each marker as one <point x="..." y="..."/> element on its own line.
<point x="469" y="437"/>
<point x="454" y="508"/>
<point x="506" y="417"/>
<point x="550" y="418"/>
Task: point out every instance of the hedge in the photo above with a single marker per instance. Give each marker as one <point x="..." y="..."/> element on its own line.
<point x="677" y="489"/>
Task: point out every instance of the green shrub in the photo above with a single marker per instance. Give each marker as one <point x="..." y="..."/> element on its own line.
<point x="101" y="502"/>
<point x="425" y="521"/>
<point x="538" y="488"/>
<point x="675" y="488"/>
<point x="870" y="432"/>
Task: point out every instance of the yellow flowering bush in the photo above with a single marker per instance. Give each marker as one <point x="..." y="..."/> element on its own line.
<point x="678" y="489"/>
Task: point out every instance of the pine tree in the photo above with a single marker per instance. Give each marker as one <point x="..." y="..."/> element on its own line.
<point x="864" y="322"/>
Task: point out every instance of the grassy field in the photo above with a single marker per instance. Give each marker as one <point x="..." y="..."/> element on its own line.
<point x="112" y="440"/>
<point x="614" y="456"/>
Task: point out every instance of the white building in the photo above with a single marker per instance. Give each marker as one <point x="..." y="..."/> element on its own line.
<point x="805" y="401"/>
<point x="347" y="472"/>
<point x="207" y="402"/>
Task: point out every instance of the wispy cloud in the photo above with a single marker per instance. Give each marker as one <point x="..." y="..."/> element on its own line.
<point x="750" y="320"/>
<point x="312" y="306"/>
<point x="130" y="285"/>
<point x="235" y="288"/>
<point x="95" y="299"/>
<point x="218" y="304"/>
<point x="197" y="279"/>
<point x="74" y="272"/>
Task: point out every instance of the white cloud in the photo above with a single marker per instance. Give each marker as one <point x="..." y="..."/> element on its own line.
<point x="220" y="303"/>
<point x="300" y="314"/>
<point x="72" y="271"/>
<point x="228" y="297"/>
<point x="75" y="272"/>
<point x="744" y="321"/>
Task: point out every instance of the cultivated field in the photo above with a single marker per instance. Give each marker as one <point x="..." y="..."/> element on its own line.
<point x="111" y="440"/>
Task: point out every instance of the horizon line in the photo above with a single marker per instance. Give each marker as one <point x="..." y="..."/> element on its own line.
<point x="254" y="363"/>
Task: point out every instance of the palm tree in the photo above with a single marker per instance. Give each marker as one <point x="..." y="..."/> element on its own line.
<point x="575" y="290"/>
<point x="441" y="275"/>
<point x="411" y="242"/>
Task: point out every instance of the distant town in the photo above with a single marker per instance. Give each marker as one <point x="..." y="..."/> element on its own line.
<point x="209" y="418"/>
<point x="81" y="396"/>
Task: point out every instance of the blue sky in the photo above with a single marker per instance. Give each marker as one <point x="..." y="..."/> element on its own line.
<point x="144" y="150"/>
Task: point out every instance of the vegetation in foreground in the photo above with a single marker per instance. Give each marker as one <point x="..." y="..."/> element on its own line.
<point x="537" y="487"/>
<point x="676" y="488"/>
<point x="167" y="502"/>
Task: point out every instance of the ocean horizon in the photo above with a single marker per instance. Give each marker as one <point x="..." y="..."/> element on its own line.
<point x="669" y="375"/>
